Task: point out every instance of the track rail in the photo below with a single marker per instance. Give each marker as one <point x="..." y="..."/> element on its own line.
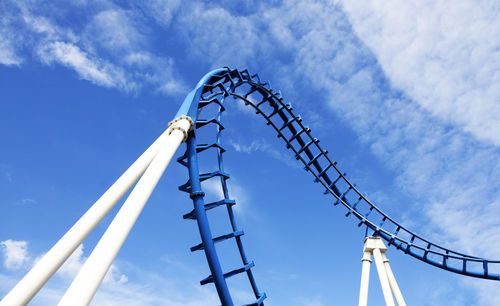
<point x="223" y="83"/>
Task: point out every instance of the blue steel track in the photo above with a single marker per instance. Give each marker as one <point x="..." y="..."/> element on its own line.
<point x="213" y="89"/>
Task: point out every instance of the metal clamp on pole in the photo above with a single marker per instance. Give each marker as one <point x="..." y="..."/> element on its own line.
<point x="179" y="124"/>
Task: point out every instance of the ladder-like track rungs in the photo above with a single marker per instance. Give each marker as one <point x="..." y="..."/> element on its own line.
<point x="315" y="140"/>
<point x="218" y="239"/>
<point x="186" y="187"/>
<point x="204" y="103"/>
<point x="191" y="215"/>
<point x="202" y="122"/>
<point x="320" y="174"/>
<point x="276" y="111"/>
<point x="332" y="185"/>
<point x="206" y="176"/>
<point x="245" y="268"/>
<point x="211" y="87"/>
<point x="266" y="99"/>
<point x="298" y="133"/>
<point x="316" y="157"/>
<point x="290" y="121"/>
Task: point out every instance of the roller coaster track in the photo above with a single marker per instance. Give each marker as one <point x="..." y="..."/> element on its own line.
<point x="213" y="90"/>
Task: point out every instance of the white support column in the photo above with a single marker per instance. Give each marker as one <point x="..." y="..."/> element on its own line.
<point x="382" y="275"/>
<point x="365" y="279"/>
<point x="392" y="282"/>
<point x="374" y="246"/>
<point x="84" y="286"/>
<point x="24" y="291"/>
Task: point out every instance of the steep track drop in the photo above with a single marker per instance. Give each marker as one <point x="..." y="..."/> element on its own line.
<point x="213" y="89"/>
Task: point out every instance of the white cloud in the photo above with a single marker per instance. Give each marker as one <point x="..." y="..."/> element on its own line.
<point x="106" y="47"/>
<point x="250" y="148"/>
<point x="114" y="30"/>
<point x="261" y="145"/>
<point x="162" y="10"/>
<point x="33" y="28"/>
<point x="15" y="254"/>
<point x="486" y="292"/>
<point x="213" y="188"/>
<point x="98" y="72"/>
<point x="443" y="54"/>
<point x="28" y="201"/>
<point x="217" y="44"/>
<point x="8" y="55"/>
<point x="148" y="287"/>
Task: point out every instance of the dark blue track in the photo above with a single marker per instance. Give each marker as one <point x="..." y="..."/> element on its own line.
<point x="212" y="90"/>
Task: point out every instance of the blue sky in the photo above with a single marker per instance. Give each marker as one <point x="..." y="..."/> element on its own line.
<point x="404" y="95"/>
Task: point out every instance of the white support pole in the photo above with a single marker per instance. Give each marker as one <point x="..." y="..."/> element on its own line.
<point x="84" y="286"/>
<point x="365" y="279"/>
<point x="24" y="291"/>
<point x="382" y="275"/>
<point x="392" y="282"/>
<point x="374" y="246"/>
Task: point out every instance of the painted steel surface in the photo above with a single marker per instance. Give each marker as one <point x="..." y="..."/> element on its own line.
<point x="213" y="89"/>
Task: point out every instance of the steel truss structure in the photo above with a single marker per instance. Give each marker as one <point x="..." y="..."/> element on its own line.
<point x="202" y="108"/>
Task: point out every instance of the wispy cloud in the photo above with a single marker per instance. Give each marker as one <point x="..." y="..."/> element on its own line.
<point x="147" y="288"/>
<point x="108" y="47"/>
<point x="209" y="43"/>
<point x="162" y="11"/>
<point x="100" y="73"/>
<point x="26" y="201"/>
<point x="8" y="54"/>
<point x="15" y="254"/>
<point x="443" y="55"/>
<point x="113" y="30"/>
<point x="261" y="145"/>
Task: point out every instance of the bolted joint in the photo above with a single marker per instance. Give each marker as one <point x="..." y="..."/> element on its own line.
<point x="182" y="123"/>
<point x="195" y="194"/>
<point x="180" y="118"/>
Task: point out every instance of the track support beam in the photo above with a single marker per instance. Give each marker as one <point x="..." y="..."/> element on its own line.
<point x="84" y="286"/>
<point x="374" y="246"/>
<point x="28" y="286"/>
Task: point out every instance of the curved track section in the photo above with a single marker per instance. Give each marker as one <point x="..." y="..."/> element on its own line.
<point x="213" y="90"/>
